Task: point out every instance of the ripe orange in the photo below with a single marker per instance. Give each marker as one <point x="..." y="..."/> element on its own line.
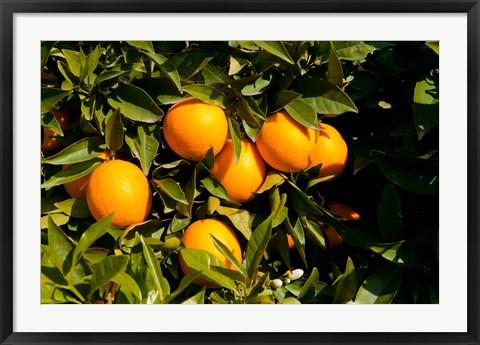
<point x="50" y="138"/>
<point x="242" y="179"/>
<point x="285" y="144"/>
<point x="331" y="150"/>
<point x="78" y="188"/>
<point x="191" y="127"/>
<point x="197" y="236"/>
<point x="122" y="187"/>
<point x="342" y="212"/>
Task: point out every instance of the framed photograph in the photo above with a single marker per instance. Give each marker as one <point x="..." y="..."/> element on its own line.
<point x="234" y="172"/>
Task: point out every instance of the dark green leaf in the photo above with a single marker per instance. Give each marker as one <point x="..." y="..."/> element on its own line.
<point x="415" y="175"/>
<point x="206" y="93"/>
<point x="93" y="233"/>
<point x="80" y="151"/>
<point x="162" y="90"/>
<point x="236" y="137"/>
<point x="389" y="214"/>
<point x="172" y="189"/>
<point x="324" y="97"/>
<point x="303" y="113"/>
<point x="51" y="96"/>
<point x="72" y="173"/>
<point x="167" y="67"/>
<point x="144" y="145"/>
<point x="135" y="104"/>
<point x="381" y="286"/>
<point x="114" y="131"/>
<point x="256" y="247"/>
<point x="335" y="71"/>
<point x="426" y="103"/>
<point x="276" y="48"/>
<point x="184" y="283"/>
<point x="282" y="98"/>
<point x="214" y="187"/>
<point x="402" y="253"/>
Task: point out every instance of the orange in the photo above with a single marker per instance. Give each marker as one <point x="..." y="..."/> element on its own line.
<point x="243" y="179"/>
<point x="191" y="127"/>
<point x="331" y="151"/>
<point x="78" y="188"/>
<point x="285" y="144"/>
<point x="342" y="212"/>
<point x="121" y="187"/>
<point x="50" y="138"/>
<point x="197" y="236"/>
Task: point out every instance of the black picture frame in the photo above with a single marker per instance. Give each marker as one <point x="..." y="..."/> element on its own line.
<point x="9" y="7"/>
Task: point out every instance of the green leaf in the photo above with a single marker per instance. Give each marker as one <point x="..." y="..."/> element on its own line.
<point x="228" y="254"/>
<point x="106" y="270"/>
<point x="107" y="75"/>
<point x="402" y="253"/>
<point x="256" y="247"/>
<point x="298" y="237"/>
<point x="184" y="283"/>
<point x="198" y="298"/>
<point x="303" y="113"/>
<point x="135" y="104"/>
<point x="160" y="282"/>
<point x="167" y="67"/>
<point x="50" y="97"/>
<point x="389" y="214"/>
<point x="49" y="121"/>
<point x="93" y="233"/>
<point x="206" y="93"/>
<point x="59" y="245"/>
<point x="128" y="286"/>
<point x="80" y="151"/>
<point x="58" y="218"/>
<point x="282" y="98"/>
<point x="335" y="71"/>
<point x="46" y="48"/>
<point x="324" y="97"/>
<point x="202" y="261"/>
<point x="114" y="131"/>
<point x="172" y="189"/>
<point x="353" y="50"/>
<point x="214" y="187"/>
<point x="381" y="286"/>
<point x="413" y="174"/>
<point x="346" y="286"/>
<point x="426" y="105"/>
<point x="77" y="208"/>
<point x="142" y="45"/>
<point x="307" y="293"/>
<point x="276" y="48"/>
<point x="162" y="90"/>
<point x="241" y="219"/>
<point x="272" y="179"/>
<point x="236" y="65"/>
<point x="71" y="173"/>
<point x="144" y="145"/>
<point x="246" y="113"/>
<point x="52" y="294"/>
<point x="434" y="45"/>
<point x="236" y="137"/>
<point x="73" y="61"/>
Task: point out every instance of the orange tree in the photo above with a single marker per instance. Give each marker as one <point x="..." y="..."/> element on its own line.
<point x="318" y="159"/>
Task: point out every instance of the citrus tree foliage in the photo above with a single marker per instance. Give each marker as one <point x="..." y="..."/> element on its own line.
<point x="383" y="97"/>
